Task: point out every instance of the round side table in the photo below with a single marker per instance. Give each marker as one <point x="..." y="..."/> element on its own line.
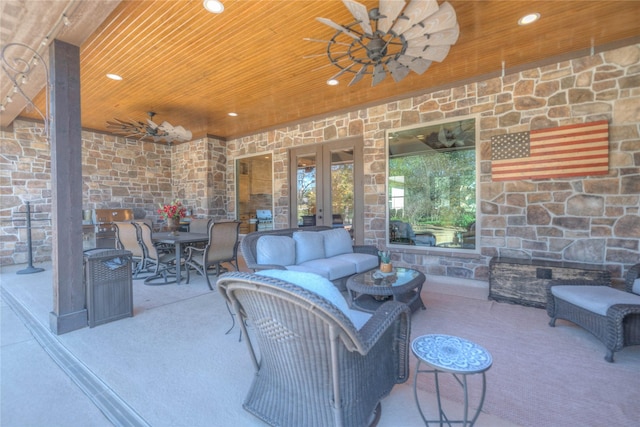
<point x="456" y="356"/>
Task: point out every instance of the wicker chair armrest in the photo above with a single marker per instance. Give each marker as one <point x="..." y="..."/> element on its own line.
<point x="631" y="276"/>
<point x="388" y="332"/>
<point x="384" y="317"/>
<point x="365" y="249"/>
<point x="258" y="267"/>
<point x="619" y="311"/>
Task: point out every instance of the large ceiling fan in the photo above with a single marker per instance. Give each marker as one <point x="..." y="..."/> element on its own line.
<point x="397" y="37"/>
<point x="163" y="132"/>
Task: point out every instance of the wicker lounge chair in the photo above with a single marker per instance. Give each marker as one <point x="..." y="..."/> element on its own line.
<point x="612" y="315"/>
<point x="313" y="367"/>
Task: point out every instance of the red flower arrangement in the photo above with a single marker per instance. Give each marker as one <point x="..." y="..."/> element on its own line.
<point x="173" y="210"/>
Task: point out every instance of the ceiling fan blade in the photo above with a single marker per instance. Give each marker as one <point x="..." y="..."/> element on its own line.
<point x="398" y="71"/>
<point x="359" y="11"/>
<point x="415" y="12"/>
<point x="307" y="39"/>
<point x="432" y="53"/>
<point x="342" y="71"/>
<point x="417" y="65"/>
<point x="378" y="74"/>
<point x="440" y="38"/>
<point x="359" y="75"/>
<point x="443" y="19"/>
<point x="338" y="27"/>
<point x="389" y="11"/>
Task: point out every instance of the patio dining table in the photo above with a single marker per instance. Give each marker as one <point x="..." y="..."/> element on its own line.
<point x="178" y="240"/>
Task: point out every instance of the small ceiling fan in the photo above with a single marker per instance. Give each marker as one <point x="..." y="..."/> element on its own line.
<point x="163" y="132"/>
<point x="396" y="38"/>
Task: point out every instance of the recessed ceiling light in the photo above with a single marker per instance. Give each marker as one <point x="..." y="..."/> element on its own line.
<point x="332" y="82"/>
<point x="528" y="19"/>
<point x="233" y="114"/>
<point x="213" y="6"/>
<point x="114" y="76"/>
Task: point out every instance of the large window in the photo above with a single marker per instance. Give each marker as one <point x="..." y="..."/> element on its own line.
<point x="431" y="185"/>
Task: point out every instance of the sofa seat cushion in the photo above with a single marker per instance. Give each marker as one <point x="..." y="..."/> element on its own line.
<point x="335" y="268"/>
<point x="362" y="262"/>
<point x="322" y="287"/>
<point x="309" y="246"/>
<point x="337" y="242"/>
<point x="276" y="250"/>
<point x="596" y="299"/>
<point x="308" y="269"/>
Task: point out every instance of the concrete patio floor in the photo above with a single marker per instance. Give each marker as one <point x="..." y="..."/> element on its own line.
<point x="158" y="368"/>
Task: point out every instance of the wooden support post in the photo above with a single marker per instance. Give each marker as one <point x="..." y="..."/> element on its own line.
<point x="69" y="293"/>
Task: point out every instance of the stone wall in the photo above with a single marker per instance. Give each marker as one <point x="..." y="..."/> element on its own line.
<point x="199" y="176"/>
<point x="117" y="173"/>
<point x="592" y="220"/>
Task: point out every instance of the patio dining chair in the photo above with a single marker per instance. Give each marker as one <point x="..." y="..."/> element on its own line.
<point x="221" y="247"/>
<point x="161" y="265"/>
<point x="127" y="239"/>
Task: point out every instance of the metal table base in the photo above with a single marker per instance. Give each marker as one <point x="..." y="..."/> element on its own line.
<point x="446" y="354"/>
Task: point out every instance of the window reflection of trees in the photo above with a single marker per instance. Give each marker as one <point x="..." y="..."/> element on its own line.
<point x="432" y="185"/>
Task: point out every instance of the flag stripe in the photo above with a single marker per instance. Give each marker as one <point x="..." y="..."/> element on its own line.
<point x="566" y="151"/>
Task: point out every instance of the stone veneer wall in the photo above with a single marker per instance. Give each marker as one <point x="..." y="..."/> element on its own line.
<point x="199" y="176"/>
<point x="592" y="220"/>
<point x="117" y="173"/>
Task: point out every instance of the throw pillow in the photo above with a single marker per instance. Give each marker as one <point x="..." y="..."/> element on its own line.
<point x="309" y="246"/>
<point x="337" y="242"/>
<point x="324" y="288"/>
<point x="276" y="250"/>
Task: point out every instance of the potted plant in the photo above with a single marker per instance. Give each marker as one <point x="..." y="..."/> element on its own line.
<point x="173" y="213"/>
<point x="385" y="261"/>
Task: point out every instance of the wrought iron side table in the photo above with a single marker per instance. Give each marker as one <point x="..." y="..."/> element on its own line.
<point x="456" y="356"/>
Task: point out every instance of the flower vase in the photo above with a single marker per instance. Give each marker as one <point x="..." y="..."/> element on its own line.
<point x="174" y="226"/>
<point x="386" y="267"/>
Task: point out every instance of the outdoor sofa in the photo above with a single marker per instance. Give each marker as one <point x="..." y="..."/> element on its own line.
<point x="325" y="251"/>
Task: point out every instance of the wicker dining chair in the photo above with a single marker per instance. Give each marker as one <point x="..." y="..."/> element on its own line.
<point x="221" y="247"/>
<point x="312" y="366"/>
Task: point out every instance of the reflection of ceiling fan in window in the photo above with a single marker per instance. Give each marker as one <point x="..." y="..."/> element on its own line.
<point x="396" y="37"/>
<point x="162" y="132"/>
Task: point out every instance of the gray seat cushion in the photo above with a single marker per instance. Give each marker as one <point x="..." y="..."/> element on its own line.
<point x="596" y="299"/>
<point x="335" y="267"/>
<point x="276" y="250"/>
<point x="322" y="287"/>
<point x="363" y="262"/>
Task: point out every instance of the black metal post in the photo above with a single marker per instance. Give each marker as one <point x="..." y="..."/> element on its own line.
<point x="30" y="269"/>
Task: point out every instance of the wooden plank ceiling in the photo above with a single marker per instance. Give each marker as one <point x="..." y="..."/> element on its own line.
<point x="192" y="67"/>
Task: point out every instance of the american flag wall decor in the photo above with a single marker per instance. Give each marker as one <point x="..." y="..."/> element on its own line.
<point x="562" y="152"/>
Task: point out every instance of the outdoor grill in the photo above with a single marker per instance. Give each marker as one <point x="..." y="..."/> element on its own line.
<point x="264" y="219"/>
<point x="105" y="232"/>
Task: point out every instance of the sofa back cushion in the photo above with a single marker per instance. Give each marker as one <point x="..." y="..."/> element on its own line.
<point x="323" y="287"/>
<point x="336" y="242"/>
<point x="636" y="286"/>
<point x="277" y="250"/>
<point x="309" y="246"/>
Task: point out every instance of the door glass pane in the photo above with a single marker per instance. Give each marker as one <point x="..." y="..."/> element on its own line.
<point x="254" y="193"/>
<point x="306" y="190"/>
<point x="342" y="183"/>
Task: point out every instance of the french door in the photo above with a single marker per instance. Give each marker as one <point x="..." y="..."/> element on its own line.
<point x="327" y="186"/>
